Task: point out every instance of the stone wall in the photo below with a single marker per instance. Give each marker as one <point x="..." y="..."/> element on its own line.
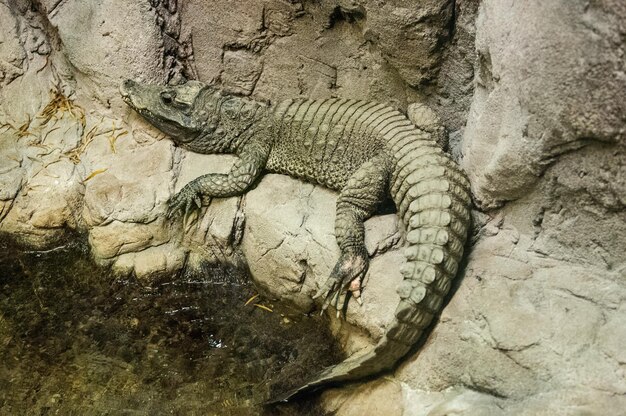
<point x="532" y="95"/>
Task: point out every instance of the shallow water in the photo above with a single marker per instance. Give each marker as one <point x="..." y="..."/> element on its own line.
<point x="75" y="340"/>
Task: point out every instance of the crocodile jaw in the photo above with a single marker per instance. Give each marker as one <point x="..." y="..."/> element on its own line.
<point x="147" y="101"/>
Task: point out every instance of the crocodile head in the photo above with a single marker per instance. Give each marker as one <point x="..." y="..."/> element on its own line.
<point x="178" y="111"/>
<point x="196" y="116"/>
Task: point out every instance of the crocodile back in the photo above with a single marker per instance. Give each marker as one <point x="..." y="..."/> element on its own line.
<point x="432" y="196"/>
<point x="325" y="141"/>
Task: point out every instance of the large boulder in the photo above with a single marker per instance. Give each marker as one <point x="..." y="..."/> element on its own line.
<point x="289" y="244"/>
<point x="549" y="82"/>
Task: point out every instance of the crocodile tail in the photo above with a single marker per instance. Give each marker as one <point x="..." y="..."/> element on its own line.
<point x="432" y="196"/>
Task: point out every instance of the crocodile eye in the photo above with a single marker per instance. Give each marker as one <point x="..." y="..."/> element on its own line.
<point x="168" y="97"/>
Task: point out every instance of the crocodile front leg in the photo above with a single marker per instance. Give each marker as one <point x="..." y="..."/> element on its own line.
<point x="245" y="170"/>
<point x="358" y="200"/>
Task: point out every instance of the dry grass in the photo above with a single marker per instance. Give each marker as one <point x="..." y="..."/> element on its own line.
<point x="59" y="103"/>
<point x="60" y="106"/>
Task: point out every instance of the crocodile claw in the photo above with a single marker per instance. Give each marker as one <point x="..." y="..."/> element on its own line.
<point x="185" y="202"/>
<point x="344" y="280"/>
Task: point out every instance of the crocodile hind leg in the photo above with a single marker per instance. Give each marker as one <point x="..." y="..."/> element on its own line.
<point x="357" y="201"/>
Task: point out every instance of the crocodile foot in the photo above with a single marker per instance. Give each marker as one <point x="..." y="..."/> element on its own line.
<point x="185" y="202"/>
<point x="345" y="279"/>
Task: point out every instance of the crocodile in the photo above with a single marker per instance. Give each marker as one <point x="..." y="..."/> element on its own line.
<point x="368" y="152"/>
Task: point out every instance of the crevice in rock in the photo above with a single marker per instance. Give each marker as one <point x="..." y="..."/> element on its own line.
<point x="485" y="78"/>
<point x="342" y="14"/>
<point x="477" y="387"/>
<point x="177" y="51"/>
<point x="452" y="23"/>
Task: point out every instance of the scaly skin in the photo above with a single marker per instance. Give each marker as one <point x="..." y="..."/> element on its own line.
<point x="364" y="150"/>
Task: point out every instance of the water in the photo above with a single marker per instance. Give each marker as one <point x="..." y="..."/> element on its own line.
<point x="75" y="340"/>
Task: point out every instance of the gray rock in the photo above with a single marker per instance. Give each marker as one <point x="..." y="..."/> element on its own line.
<point x="104" y="52"/>
<point x="290" y="247"/>
<point x="408" y="36"/>
<point x="542" y="90"/>
<point x="12" y="54"/>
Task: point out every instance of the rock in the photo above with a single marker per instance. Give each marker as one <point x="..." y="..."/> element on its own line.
<point x="310" y="49"/>
<point x="106" y="52"/>
<point x="285" y="260"/>
<point x="35" y="172"/>
<point x="409" y="36"/>
<point x="118" y="238"/>
<point x="564" y="92"/>
<point x="12" y="54"/>
<point x="131" y="186"/>
<point x="214" y="24"/>
<point x="11" y="171"/>
<point x="241" y="71"/>
<point x="290" y="248"/>
<point x="542" y="344"/>
<point x="394" y="398"/>
<point x="150" y="263"/>
<point x="384" y="397"/>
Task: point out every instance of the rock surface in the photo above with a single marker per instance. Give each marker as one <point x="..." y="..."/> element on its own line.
<point x="544" y="87"/>
<point x="531" y="93"/>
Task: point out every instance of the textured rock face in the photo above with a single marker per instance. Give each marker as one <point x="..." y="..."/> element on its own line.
<point x="543" y="89"/>
<point x="290" y="247"/>
<point x="531" y="94"/>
